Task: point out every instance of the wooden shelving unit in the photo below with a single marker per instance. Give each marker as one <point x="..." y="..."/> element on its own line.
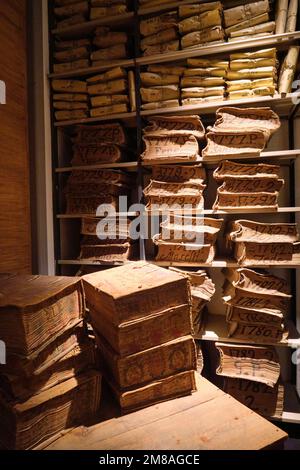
<point x="285" y="105"/>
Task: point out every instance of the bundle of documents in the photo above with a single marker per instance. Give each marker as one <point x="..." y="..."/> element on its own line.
<point x="252" y="74"/>
<point x="257" y="305"/>
<point x="106" y="8"/>
<point x="109" y="45"/>
<point x="71" y="55"/>
<point x="248" y="20"/>
<point x="70" y="99"/>
<point x="71" y="12"/>
<point x="112" y="92"/>
<point x="47" y="384"/>
<point x="160" y="86"/>
<point x="200" y="24"/>
<point x="203" y="80"/>
<point x="141" y="315"/>
<point x="160" y="34"/>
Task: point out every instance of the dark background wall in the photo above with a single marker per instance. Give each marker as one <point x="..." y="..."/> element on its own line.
<point x="15" y="225"/>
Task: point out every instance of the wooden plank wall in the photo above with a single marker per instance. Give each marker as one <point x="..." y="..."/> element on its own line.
<point x="15" y="227"/>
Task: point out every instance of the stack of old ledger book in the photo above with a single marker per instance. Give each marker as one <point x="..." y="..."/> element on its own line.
<point x="160" y="86"/>
<point x="106" y="242"/>
<point x="252" y="74"/>
<point x="48" y="383"/>
<point x="187" y="239"/>
<point x="252" y="376"/>
<point x="141" y="315"/>
<point x="202" y="290"/>
<point x="240" y="132"/>
<point x="160" y="34"/>
<point x="253" y="242"/>
<point x="102" y="8"/>
<point x="71" y="12"/>
<point x="87" y="189"/>
<point x="257" y="305"/>
<point x="112" y="92"/>
<point x="248" y="20"/>
<point x="247" y="185"/>
<point x="203" y="80"/>
<point x="200" y="24"/>
<point x="71" y="55"/>
<point x="111" y="46"/>
<point x="70" y="99"/>
<point x="173" y="139"/>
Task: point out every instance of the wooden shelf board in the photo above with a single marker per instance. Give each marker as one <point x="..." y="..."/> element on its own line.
<point x="88" y="262"/>
<point x="278" y="154"/>
<point x="216" y="329"/>
<point x="282" y="104"/>
<point x="226" y="47"/>
<point x="92" y="70"/>
<point x="223" y="263"/>
<point x="97" y="167"/>
<point x="89" y="26"/>
<point x="281" y="210"/>
<point x="142" y="11"/>
<point x="93" y="216"/>
<point x="110" y="117"/>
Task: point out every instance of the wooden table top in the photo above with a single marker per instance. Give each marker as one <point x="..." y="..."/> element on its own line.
<point x="209" y="419"/>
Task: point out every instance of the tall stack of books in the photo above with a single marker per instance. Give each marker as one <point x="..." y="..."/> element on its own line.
<point x="248" y="20"/>
<point x="71" y="55"/>
<point x="111" y="45"/>
<point x="70" y="99"/>
<point x="48" y="383"/>
<point x="257" y="305"/>
<point x="111" y="92"/>
<point x="203" y="80"/>
<point x="87" y="189"/>
<point x="252" y="376"/>
<point x="141" y="315"/>
<point x="71" y="12"/>
<point x="160" y="86"/>
<point x="200" y="24"/>
<point x="160" y="34"/>
<point x="252" y="74"/>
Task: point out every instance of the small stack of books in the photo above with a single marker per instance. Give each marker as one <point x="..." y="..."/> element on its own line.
<point x="111" y="45"/>
<point x="203" y="80"/>
<point x="160" y="86"/>
<point x="71" y="12"/>
<point x="252" y="376"/>
<point x="257" y="305"/>
<point x="71" y="55"/>
<point x="141" y="315"/>
<point x="70" y="99"/>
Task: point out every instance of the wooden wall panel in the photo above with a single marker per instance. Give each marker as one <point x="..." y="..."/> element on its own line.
<point x="15" y="227"/>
